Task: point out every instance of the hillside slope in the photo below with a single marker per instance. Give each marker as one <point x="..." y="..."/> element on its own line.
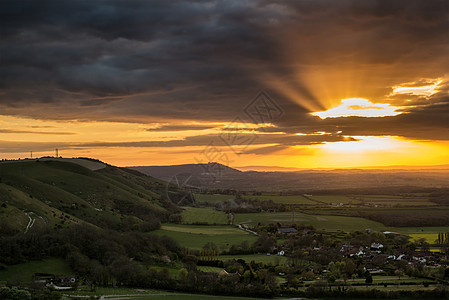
<point x="57" y="193"/>
<point x="204" y="170"/>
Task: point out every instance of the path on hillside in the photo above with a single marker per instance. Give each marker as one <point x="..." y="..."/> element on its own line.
<point x="32" y="219"/>
<point x="246" y="229"/>
<point x="30" y="222"/>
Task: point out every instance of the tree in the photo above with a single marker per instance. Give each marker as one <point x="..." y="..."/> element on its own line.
<point x="368" y="278"/>
<point x="182" y="274"/>
<point x="14" y="293"/>
<point x="350" y="268"/>
<point x="399" y="273"/>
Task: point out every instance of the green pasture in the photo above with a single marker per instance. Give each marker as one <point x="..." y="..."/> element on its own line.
<point x="299" y="199"/>
<point x="384" y="200"/>
<point x="258" y="258"/>
<point x="212" y="198"/>
<point x="420" y="230"/>
<point x="177" y="296"/>
<point x="428" y="237"/>
<point x="319" y="220"/>
<point x="209" y="269"/>
<point x="144" y="294"/>
<point x="327" y="222"/>
<point x="196" y="236"/>
<point x="329" y="199"/>
<point x="24" y="272"/>
<point x="395" y="200"/>
<point x="203" y="215"/>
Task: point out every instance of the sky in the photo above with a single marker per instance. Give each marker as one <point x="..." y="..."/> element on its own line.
<point x="305" y="84"/>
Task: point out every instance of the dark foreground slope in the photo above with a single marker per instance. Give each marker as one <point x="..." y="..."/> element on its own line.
<point x="55" y="194"/>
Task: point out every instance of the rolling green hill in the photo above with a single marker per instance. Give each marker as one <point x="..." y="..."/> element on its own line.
<point x="55" y="193"/>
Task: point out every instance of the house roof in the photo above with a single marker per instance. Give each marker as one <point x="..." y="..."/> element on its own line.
<point x="287" y="230"/>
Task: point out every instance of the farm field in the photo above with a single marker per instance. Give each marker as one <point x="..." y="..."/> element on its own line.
<point x="203" y="215"/>
<point x="258" y="258"/>
<point x="395" y="287"/>
<point x="420" y="232"/>
<point x="209" y="269"/>
<point x="392" y="279"/>
<point x="24" y="272"/>
<point x="196" y="236"/>
<point x="327" y="222"/>
<point x="395" y="200"/>
<point x="319" y="221"/>
<point x="429" y="237"/>
<point x="283" y="199"/>
<point x="145" y="294"/>
<point x="329" y="199"/>
<point x="174" y="296"/>
<point x="380" y="200"/>
<point x="212" y="198"/>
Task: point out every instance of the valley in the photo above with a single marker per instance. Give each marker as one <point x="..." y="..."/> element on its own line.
<point x="287" y="243"/>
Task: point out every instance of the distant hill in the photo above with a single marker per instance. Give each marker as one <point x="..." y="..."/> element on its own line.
<point x="268" y="169"/>
<point x="204" y="170"/>
<point x="290" y="180"/>
<point x="57" y="192"/>
<point x="443" y="168"/>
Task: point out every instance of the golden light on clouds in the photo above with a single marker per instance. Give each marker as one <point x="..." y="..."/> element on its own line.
<point x="104" y="140"/>
<point x="364" y="144"/>
<point x="368" y="151"/>
<point x="383" y="151"/>
<point x="358" y="107"/>
<point x="417" y="89"/>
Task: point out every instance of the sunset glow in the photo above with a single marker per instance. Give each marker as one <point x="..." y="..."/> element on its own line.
<point x="281" y="89"/>
<point x="358" y="107"/>
<point x="416" y="89"/>
<point x="224" y="149"/>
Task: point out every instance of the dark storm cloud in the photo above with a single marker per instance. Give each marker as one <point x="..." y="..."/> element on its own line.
<point x="205" y="140"/>
<point x="423" y="123"/>
<point x="204" y="60"/>
<point x="282" y="141"/>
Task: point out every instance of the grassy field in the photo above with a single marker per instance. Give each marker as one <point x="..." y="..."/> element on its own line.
<point x="329" y="199"/>
<point x="176" y="296"/>
<point x="319" y="221"/>
<point x="283" y="199"/>
<point x="420" y="230"/>
<point x="408" y="200"/>
<point x="196" y="236"/>
<point x="392" y="279"/>
<point x="327" y="222"/>
<point x="147" y="294"/>
<point x="263" y="258"/>
<point x="212" y="198"/>
<point x="209" y="269"/>
<point x="47" y="188"/>
<point x="395" y="200"/>
<point x="429" y="237"/>
<point x="203" y="215"/>
<point x="24" y="272"/>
